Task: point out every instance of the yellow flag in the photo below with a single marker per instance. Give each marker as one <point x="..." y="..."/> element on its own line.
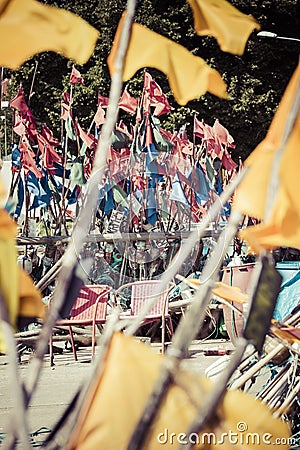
<point x="189" y="76"/>
<point x="227" y="24"/>
<point x="283" y="225"/>
<point x="8" y="270"/>
<point x="20" y="295"/>
<point x="30" y="298"/>
<point x="129" y="374"/>
<point x="224" y="290"/>
<point x="28" y="27"/>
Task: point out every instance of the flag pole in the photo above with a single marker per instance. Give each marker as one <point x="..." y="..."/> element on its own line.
<point x="32" y="82"/>
<point x="65" y="157"/>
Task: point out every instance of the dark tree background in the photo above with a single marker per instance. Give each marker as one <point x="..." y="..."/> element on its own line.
<point x="256" y="80"/>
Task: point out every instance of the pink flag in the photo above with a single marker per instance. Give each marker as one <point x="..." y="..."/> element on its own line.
<point x="76" y="77"/>
<point x="154" y="96"/>
<point x="199" y="127"/>
<point x="99" y="117"/>
<point x="87" y="138"/>
<point x="128" y="103"/>
<point x="222" y="134"/>
<point x="4" y="85"/>
<point x="18" y="127"/>
<point x="49" y="154"/>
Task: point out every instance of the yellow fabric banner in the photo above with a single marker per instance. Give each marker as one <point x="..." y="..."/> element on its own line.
<point x="117" y="399"/>
<point x="228" y="25"/>
<point x="281" y="225"/>
<point x="20" y="295"/>
<point x="189" y="76"/>
<point x="29" y="27"/>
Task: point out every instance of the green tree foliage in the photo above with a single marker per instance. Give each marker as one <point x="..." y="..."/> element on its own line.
<point x="255" y="80"/>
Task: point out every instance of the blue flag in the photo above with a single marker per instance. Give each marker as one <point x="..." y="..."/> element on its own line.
<point x="20" y="198"/>
<point x="109" y="202"/>
<point x="151" y="213"/>
<point x="72" y="196"/>
<point x="177" y="193"/>
<point x="40" y="189"/>
<point x="200" y="184"/>
<point x="15" y="158"/>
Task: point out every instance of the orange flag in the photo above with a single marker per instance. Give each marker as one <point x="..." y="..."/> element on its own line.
<point x="282" y="217"/>
<point x="228" y="25"/>
<point x="29" y="27"/>
<point x="189" y="76"/>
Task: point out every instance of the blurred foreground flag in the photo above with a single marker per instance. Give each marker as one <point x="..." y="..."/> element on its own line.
<point x="29" y="27"/>
<point x="189" y="76"/>
<point x="21" y="297"/>
<point x="228" y="25"/>
<point x="281" y="215"/>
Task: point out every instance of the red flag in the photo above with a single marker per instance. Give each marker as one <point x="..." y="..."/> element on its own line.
<point x="64" y="110"/>
<point x="47" y="133"/>
<point x="103" y="101"/>
<point x="28" y="158"/>
<point x="87" y="138"/>
<point x="49" y="154"/>
<point x="121" y="126"/>
<point x="128" y="103"/>
<point x="171" y="137"/>
<point x="76" y="77"/>
<point x="66" y="106"/>
<point x="154" y="96"/>
<point x="19" y="103"/>
<point x="228" y="162"/>
<point x="162" y="108"/>
<point x="208" y="136"/>
<point x="139" y="182"/>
